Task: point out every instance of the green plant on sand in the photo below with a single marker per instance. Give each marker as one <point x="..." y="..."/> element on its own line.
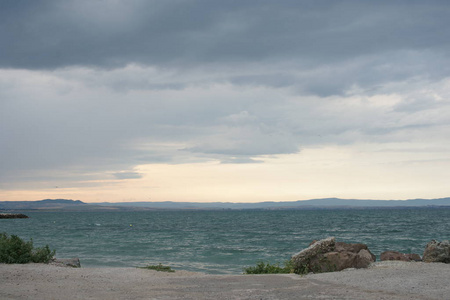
<point x="14" y="250"/>
<point x="159" y="268"/>
<point x="267" y="268"/>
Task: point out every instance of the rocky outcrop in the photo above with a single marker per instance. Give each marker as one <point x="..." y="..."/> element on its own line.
<point x="394" y="255"/>
<point x="328" y="255"/>
<point x="437" y="252"/>
<point x="12" y="216"/>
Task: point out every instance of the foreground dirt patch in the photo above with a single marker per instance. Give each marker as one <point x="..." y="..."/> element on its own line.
<point x="385" y="281"/>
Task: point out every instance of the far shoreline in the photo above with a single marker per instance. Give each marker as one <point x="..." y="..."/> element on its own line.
<point x="312" y="204"/>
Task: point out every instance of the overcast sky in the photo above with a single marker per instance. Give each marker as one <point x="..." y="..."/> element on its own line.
<point x="239" y="101"/>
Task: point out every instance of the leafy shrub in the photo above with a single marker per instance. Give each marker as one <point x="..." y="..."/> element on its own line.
<point x="267" y="268"/>
<point x="159" y="268"/>
<point x="14" y="250"/>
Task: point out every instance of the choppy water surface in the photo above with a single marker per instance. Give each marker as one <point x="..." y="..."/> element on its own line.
<point x="222" y="241"/>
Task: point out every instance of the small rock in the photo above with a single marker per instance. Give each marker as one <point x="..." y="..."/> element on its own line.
<point x="66" y="262"/>
<point x="364" y="258"/>
<point x="437" y="252"/>
<point x="394" y="255"/>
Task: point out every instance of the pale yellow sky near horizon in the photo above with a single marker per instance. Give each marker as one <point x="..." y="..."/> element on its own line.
<point x="356" y="172"/>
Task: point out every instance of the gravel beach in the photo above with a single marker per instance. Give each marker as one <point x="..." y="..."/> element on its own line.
<point x="383" y="280"/>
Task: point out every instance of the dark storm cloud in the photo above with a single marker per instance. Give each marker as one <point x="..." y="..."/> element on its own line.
<point x="52" y="34"/>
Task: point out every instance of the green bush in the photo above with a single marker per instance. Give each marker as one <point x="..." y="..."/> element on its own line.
<point x="13" y="250"/>
<point x="267" y="268"/>
<point x="159" y="268"/>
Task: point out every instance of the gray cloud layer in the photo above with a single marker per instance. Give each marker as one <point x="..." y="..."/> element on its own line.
<point x="101" y="86"/>
<point x="52" y="34"/>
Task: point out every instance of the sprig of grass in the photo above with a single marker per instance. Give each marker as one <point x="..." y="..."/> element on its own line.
<point x="267" y="268"/>
<point x="159" y="268"/>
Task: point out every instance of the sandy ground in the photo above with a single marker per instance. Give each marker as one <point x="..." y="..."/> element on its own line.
<point x="386" y="280"/>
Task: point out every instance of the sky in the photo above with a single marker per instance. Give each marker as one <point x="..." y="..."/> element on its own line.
<point x="232" y="101"/>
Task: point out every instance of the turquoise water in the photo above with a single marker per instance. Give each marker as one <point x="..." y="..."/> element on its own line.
<point x="222" y="242"/>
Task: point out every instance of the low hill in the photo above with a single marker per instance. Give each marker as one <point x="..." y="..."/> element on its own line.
<point x="326" y="203"/>
<point x="56" y="205"/>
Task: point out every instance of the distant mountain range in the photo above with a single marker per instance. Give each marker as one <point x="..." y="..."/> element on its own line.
<point x="302" y="204"/>
<point x="327" y="203"/>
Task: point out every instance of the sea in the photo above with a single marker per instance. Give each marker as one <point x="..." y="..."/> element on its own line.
<point x="223" y="242"/>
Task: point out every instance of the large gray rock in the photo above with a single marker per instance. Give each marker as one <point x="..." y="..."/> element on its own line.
<point x="328" y="255"/>
<point x="316" y="247"/>
<point x="437" y="252"/>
